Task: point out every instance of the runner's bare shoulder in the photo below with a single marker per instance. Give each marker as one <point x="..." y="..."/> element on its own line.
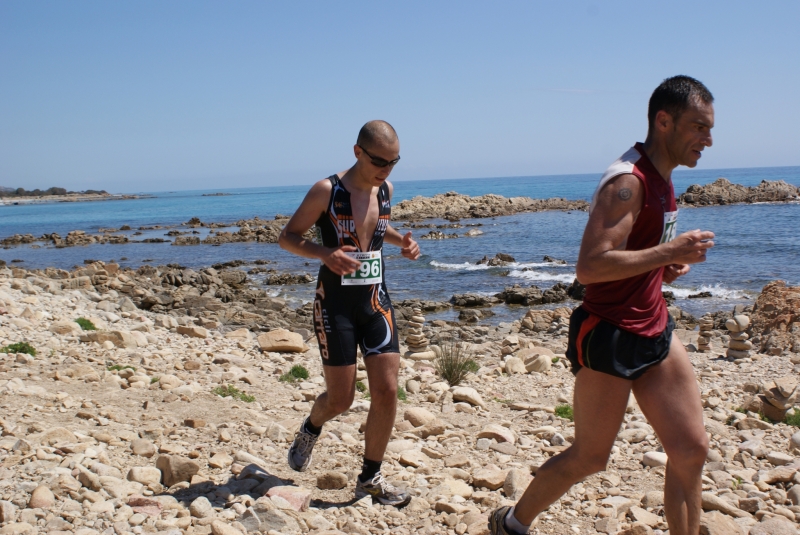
<point x="621" y="193"/>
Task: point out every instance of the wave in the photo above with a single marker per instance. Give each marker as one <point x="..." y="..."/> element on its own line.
<point x="466" y="266"/>
<point x="717" y="290"/>
<point x="566" y="278"/>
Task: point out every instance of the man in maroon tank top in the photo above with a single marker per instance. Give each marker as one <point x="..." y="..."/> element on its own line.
<point x="621" y="338"/>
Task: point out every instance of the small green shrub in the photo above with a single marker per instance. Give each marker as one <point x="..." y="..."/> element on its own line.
<point x="233" y="392"/>
<point x="401" y="393"/>
<point x="454" y="361"/>
<point x="361" y="387"/>
<point x="19" y="347"/>
<point x="297" y="372"/>
<point x="472" y="366"/>
<point x="793" y="419"/>
<point x="554" y="360"/>
<point x="565" y="411"/>
<point x="154" y="380"/>
<point x="85" y="324"/>
<point x="119" y="367"/>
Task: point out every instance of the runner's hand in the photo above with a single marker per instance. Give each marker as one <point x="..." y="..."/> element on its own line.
<point x="338" y="262"/>
<point x="691" y="247"/>
<point x="673" y="271"/>
<point x="410" y="248"/>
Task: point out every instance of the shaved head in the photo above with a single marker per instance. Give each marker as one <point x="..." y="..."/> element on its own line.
<point x="376" y="133"/>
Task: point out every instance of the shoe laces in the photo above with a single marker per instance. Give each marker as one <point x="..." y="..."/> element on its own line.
<point x="306" y="442"/>
<point x="385" y="486"/>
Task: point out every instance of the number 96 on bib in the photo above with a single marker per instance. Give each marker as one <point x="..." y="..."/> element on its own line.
<point x="369" y="272"/>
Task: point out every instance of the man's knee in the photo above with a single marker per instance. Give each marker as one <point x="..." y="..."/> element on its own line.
<point x="691" y="452"/>
<point x="589" y="462"/>
<point x="339" y="404"/>
<point x="386" y="395"/>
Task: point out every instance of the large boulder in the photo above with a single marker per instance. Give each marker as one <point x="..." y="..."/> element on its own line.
<point x="282" y="341"/>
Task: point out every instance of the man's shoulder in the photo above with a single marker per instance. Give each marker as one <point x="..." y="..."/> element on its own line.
<point x="624" y="165"/>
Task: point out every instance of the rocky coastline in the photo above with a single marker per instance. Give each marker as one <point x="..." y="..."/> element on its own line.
<point x="174" y="415"/>
<point x="722" y="191"/>
<point x="451" y="206"/>
<point x="70" y="197"/>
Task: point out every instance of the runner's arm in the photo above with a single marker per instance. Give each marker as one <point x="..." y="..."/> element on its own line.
<point x="292" y="240"/>
<point x="603" y="256"/>
<point x="408" y="245"/>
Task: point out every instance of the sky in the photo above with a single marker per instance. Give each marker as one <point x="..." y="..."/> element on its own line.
<point x="153" y="96"/>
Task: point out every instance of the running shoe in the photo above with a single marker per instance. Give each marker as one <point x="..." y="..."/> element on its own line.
<point x="301" y="448"/>
<point x="382" y="490"/>
<point x="497" y="519"/>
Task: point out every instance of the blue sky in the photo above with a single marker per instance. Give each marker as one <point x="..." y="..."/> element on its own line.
<point x="150" y="96"/>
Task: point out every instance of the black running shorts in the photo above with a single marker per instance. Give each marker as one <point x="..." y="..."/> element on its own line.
<point x="601" y="346"/>
<point x="347" y="317"/>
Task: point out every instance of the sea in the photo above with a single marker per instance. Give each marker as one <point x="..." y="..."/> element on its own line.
<point x="755" y="243"/>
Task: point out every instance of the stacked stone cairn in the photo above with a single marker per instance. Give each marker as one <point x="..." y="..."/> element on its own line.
<point x="739" y="347"/>
<point x="418" y="345"/>
<point x="704" y="339"/>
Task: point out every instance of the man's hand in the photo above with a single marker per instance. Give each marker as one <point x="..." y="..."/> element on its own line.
<point x="673" y="271"/>
<point x="338" y="262"/>
<point x="410" y="248"/>
<point x="691" y="247"/>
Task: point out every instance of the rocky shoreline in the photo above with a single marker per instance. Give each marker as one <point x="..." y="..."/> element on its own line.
<point x="174" y="416"/>
<point x="71" y="197"/>
<point x="722" y="192"/>
<point x="449" y="206"/>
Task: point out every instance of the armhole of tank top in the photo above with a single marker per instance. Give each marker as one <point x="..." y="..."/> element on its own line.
<point x="324" y="216"/>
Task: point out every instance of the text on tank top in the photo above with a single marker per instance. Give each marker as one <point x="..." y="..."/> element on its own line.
<point x="636" y="304"/>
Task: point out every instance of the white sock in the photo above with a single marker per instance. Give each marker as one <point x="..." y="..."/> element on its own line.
<point x="514" y="524"/>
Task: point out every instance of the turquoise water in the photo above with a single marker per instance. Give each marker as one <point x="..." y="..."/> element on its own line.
<point x="755" y="243"/>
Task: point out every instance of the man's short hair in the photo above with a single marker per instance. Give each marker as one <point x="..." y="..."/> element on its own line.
<point x="675" y="95"/>
<point x="376" y="133"/>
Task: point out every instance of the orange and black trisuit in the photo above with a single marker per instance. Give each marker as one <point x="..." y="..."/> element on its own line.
<point x="360" y="314"/>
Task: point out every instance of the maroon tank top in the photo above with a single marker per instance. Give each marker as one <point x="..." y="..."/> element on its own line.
<point x="635" y="304"/>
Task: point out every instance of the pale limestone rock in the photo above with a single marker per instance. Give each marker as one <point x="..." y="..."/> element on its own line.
<point x="281" y="341"/>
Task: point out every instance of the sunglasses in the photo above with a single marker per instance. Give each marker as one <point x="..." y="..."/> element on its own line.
<point x="379" y="162"/>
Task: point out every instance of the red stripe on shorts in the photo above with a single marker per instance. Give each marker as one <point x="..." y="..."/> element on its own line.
<point x="586" y="327"/>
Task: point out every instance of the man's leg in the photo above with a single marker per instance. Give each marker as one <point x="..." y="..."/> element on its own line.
<point x="599" y="407"/>
<point x="340" y="384"/>
<point x="382" y="373"/>
<point x="670" y="399"/>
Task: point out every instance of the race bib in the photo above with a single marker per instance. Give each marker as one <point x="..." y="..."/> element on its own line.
<point x="370" y="271"/>
<point x="670" y="226"/>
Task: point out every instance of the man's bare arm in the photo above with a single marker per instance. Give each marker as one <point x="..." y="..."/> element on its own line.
<point x="291" y="237"/>
<point x="408" y="246"/>
<point x="603" y="256"/>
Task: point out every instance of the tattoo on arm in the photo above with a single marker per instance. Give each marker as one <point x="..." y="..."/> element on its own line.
<point x="625" y="194"/>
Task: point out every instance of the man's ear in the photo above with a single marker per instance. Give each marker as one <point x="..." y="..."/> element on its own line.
<point x="664" y="121"/>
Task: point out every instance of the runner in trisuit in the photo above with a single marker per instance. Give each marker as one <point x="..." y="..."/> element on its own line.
<point x="620" y="339"/>
<point x="351" y="210"/>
